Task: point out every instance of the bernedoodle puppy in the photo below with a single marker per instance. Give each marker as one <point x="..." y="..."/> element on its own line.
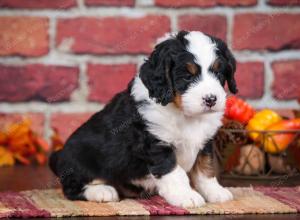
<point x="155" y="137"/>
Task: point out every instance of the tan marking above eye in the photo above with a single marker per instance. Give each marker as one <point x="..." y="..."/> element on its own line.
<point x="192" y="68"/>
<point x="216" y="66"/>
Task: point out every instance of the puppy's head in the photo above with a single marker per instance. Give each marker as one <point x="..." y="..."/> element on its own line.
<point x="190" y="70"/>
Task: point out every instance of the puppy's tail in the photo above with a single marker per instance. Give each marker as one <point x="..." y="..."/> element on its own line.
<point x="53" y="161"/>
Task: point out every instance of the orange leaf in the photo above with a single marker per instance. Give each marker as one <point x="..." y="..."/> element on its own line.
<point x="6" y="157"/>
<point x="17" y="130"/>
<point x="24" y="150"/>
<point x="31" y="149"/>
<point x="24" y="145"/>
<point x="41" y="158"/>
<point x="57" y="143"/>
<point x="22" y="159"/>
<point x="42" y="143"/>
<point x="18" y="135"/>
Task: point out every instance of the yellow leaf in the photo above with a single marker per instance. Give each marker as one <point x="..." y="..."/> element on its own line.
<point x="6" y="157"/>
<point x="18" y="130"/>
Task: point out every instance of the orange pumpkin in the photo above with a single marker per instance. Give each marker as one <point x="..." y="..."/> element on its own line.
<point x="278" y="141"/>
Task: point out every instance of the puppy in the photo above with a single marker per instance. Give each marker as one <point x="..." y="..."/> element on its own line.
<point x="156" y="136"/>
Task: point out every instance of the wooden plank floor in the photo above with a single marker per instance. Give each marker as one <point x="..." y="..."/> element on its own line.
<point x="27" y="177"/>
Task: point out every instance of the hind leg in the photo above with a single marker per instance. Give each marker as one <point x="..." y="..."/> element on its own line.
<point x="80" y="187"/>
<point x="100" y="192"/>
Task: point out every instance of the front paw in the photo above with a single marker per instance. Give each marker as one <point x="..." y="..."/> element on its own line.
<point x="217" y="193"/>
<point x="184" y="198"/>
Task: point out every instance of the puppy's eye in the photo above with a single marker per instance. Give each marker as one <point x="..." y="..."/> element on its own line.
<point x="192" y="68"/>
<point x="188" y="78"/>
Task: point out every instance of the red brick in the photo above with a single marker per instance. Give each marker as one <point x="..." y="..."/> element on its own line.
<point x="266" y="31"/>
<point x="284" y="2"/>
<point x="38" y="4"/>
<point x="107" y="80"/>
<point x="67" y="123"/>
<point x="211" y="24"/>
<point x="26" y="36"/>
<point x="250" y="79"/>
<point x="37" y="120"/>
<point x="236" y="2"/>
<point x="286" y="79"/>
<point x="113" y="35"/>
<point x="184" y="3"/>
<point x="110" y="2"/>
<point x="204" y="3"/>
<point x="37" y="82"/>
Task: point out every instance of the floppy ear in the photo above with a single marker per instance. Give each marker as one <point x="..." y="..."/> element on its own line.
<point x="155" y="73"/>
<point x="230" y="72"/>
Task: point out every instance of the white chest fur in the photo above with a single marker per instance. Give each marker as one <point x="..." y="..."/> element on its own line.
<point x="187" y="135"/>
<point x="168" y="123"/>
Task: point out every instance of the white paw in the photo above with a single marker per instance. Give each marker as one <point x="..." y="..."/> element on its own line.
<point x="217" y="194"/>
<point x="184" y="198"/>
<point x="101" y="193"/>
<point x="212" y="191"/>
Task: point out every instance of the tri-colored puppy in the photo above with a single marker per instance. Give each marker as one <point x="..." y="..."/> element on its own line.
<point x="155" y="136"/>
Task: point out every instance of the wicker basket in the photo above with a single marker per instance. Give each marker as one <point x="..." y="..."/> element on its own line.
<point x="247" y="160"/>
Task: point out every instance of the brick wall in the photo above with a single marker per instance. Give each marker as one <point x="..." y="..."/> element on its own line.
<point x="58" y="58"/>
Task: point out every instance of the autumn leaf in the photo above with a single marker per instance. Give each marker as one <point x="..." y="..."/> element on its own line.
<point x="41" y="158"/>
<point x="21" y="144"/>
<point x="57" y="143"/>
<point x="6" y="157"/>
<point x="19" y="138"/>
<point x="21" y="159"/>
<point x="18" y="130"/>
<point x="42" y="144"/>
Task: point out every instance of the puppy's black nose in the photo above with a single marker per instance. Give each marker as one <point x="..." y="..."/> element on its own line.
<point x="210" y="100"/>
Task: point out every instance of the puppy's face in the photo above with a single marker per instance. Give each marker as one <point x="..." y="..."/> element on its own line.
<point x="190" y="70"/>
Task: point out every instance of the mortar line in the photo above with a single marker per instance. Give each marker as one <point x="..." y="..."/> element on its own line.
<point x="142" y="11"/>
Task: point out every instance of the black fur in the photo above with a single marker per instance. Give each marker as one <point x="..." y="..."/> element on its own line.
<point x="228" y="65"/>
<point x="163" y="72"/>
<point x="114" y="144"/>
<point x="208" y="147"/>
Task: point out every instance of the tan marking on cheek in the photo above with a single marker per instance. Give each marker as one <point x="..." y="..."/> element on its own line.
<point x="192" y="68"/>
<point x="178" y="100"/>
